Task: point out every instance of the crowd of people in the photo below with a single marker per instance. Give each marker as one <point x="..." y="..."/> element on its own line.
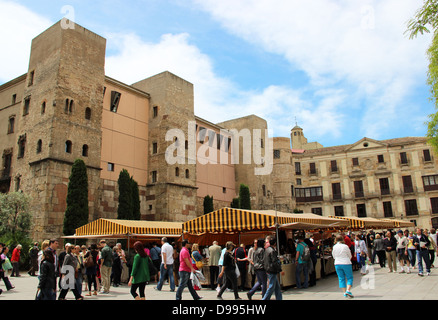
<point x="92" y="270"/>
<point x="409" y="248"/>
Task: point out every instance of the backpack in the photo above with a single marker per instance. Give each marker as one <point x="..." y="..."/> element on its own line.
<point x="306" y="254"/>
<point x="89" y="262"/>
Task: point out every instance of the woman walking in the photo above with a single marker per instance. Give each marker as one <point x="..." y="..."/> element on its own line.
<point x="71" y="261"/>
<point x="412" y="251"/>
<point x="90" y="262"/>
<point x="229" y="269"/>
<point x="342" y="256"/>
<point x="47" y="277"/>
<point x="140" y="272"/>
<point x="360" y="249"/>
<point x="196" y="261"/>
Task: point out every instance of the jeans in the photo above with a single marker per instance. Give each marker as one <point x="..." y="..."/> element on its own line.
<point x="274" y="287"/>
<point x="302" y="267"/>
<point x="361" y="261"/>
<point x="184" y="277"/>
<point x="163" y="276"/>
<point x="79" y="280"/>
<point x="345" y="275"/>
<point x="262" y="280"/>
<point x="412" y="253"/>
<point x="423" y="254"/>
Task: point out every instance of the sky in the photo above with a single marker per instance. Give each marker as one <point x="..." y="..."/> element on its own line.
<point x="342" y="70"/>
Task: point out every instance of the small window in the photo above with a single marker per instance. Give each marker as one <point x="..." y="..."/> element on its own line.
<point x="186" y="144"/>
<point x="380" y="158"/>
<point x="85" y="150"/>
<point x="21" y="146"/>
<point x="262" y="143"/>
<point x="339" y="211"/>
<point x="264" y="190"/>
<point x="43" y="107"/>
<point x="333" y="166"/>
<point x="387" y="209"/>
<point x="68" y="146"/>
<point x="115" y="99"/>
<point x="277" y="154"/>
<point x="154" y="148"/>
<point x="17" y="183"/>
<point x="68" y="106"/>
<point x="155" y="112"/>
<point x="39" y="146"/>
<point x="154" y="176"/>
<point x="14" y="98"/>
<point x="403" y="158"/>
<point x="426" y="155"/>
<point x="317" y="211"/>
<point x="176" y="172"/>
<point x="355" y="161"/>
<point x="297" y="168"/>
<point x="187" y="174"/>
<point x="87" y="113"/>
<point x="224" y="190"/>
<point x="31" y="78"/>
<point x="110" y="166"/>
<point x="26" y="106"/>
<point x="11" y="125"/>
<point x="361" y="210"/>
<point x="299" y="182"/>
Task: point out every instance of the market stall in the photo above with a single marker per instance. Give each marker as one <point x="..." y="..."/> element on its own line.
<point x="401" y="223"/>
<point x="366" y="223"/>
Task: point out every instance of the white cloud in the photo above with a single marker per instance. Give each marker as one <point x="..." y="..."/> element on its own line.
<point x="18" y="26"/>
<point x="338" y="43"/>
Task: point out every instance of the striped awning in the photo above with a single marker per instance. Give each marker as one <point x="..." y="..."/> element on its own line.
<point x="400" y="223"/>
<point x="136" y="227"/>
<point x="238" y="220"/>
<point x="366" y="223"/>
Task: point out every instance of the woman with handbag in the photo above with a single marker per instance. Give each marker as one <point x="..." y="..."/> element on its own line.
<point x="196" y="261"/>
<point x="360" y="249"/>
<point x="229" y="269"/>
<point x="70" y="263"/>
<point x="90" y="263"/>
<point x="5" y="266"/>
<point x="140" y="272"/>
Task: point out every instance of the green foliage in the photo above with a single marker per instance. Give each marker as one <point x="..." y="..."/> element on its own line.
<point x="15" y="222"/>
<point x="135" y="194"/>
<point x="298" y="211"/>
<point x="425" y="21"/>
<point x="76" y="214"/>
<point x="244" y="197"/>
<point x="235" y="203"/>
<point x="208" y="204"/>
<point x="124" y="210"/>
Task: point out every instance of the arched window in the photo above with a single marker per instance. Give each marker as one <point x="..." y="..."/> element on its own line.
<point x="176" y="172"/>
<point x="88" y="114"/>
<point x="39" y="146"/>
<point x="68" y="146"/>
<point x="85" y="150"/>
<point x="43" y="107"/>
<point x="187" y="173"/>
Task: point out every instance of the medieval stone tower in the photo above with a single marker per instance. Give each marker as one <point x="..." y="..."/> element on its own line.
<point x="60" y="121"/>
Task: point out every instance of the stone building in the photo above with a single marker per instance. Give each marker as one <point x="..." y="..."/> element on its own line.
<point x="65" y="108"/>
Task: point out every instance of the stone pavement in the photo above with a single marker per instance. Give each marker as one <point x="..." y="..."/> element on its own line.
<point x="378" y="284"/>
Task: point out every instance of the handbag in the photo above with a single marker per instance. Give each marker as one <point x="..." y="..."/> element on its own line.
<point x="152" y="270"/>
<point x="198" y="264"/>
<point x="7" y="264"/>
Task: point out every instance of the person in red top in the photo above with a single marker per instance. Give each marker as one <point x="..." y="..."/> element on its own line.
<point x="15" y="259"/>
<point x="185" y="268"/>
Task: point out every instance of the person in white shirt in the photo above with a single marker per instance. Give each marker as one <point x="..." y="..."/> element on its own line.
<point x="361" y="251"/>
<point x="342" y="255"/>
<point x="166" y="268"/>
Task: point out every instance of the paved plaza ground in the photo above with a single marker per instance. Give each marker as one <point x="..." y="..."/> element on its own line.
<point x="378" y="284"/>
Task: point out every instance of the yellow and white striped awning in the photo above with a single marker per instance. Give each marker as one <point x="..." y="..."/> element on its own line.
<point x="366" y="223"/>
<point x="239" y="220"/>
<point x="136" y="227"/>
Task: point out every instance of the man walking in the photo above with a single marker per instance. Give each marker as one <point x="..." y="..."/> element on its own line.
<point x="390" y="244"/>
<point x="421" y="242"/>
<point x="185" y="268"/>
<point x="402" y="251"/>
<point x="166" y="267"/>
<point x="273" y="268"/>
<point x="213" y="263"/>
<point x="106" y="266"/>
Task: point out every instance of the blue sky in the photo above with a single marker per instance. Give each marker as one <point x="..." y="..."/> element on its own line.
<point x="342" y="68"/>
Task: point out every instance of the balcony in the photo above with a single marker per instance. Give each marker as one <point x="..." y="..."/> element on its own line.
<point x="309" y="199"/>
<point x="313" y="172"/>
<point x="385" y="192"/>
<point x="336" y="197"/>
<point x="409" y="190"/>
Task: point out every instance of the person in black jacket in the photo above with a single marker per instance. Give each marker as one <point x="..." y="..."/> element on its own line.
<point x="259" y="268"/>
<point x="229" y="268"/>
<point x="273" y="268"/>
<point x="47" y="284"/>
<point x="390" y="245"/>
<point x="421" y="243"/>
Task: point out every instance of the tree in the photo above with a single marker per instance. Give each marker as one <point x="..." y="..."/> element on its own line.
<point x="124" y="209"/>
<point x="208" y="204"/>
<point x="136" y="215"/>
<point x="76" y="214"/>
<point x="244" y="197"/>
<point x="15" y="215"/>
<point x="426" y="21"/>
<point x="235" y="203"/>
